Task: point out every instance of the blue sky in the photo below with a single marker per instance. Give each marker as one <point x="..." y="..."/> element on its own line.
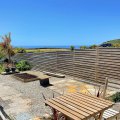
<point x="60" y="22"/>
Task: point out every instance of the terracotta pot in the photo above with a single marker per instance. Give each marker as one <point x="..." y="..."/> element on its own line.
<point x="13" y="69"/>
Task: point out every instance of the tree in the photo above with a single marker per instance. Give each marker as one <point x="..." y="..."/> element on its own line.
<point x="6" y="47"/>
<point x="72" y="47"/>
<point x="83" y="47"/>
<point x="93" y="46"/>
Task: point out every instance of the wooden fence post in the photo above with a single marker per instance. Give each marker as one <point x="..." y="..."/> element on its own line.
<point x="73" y="60"/>
<point x="105" y="88"/>
<point x="97" y="64"/>
<point x="56" y="61"/>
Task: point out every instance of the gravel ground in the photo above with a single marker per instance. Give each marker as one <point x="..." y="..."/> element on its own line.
<point x="30" y="90"/>
<point x="24" y="100"/>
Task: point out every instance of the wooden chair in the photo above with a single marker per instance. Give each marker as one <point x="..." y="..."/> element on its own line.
<point x="109" y="114"/>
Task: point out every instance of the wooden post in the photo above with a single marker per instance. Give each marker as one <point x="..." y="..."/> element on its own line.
<point x="99" y="117"/>
<point x="73" y="60"/>
<point x="44" y="66"/>
<point x="56" y="62"/>
<point x="97" y="63"/>
<point x="55" y="114"/>
<point x="101" y="114"/>
<point x="105" y="88"/>
<point x="103" y="96"/>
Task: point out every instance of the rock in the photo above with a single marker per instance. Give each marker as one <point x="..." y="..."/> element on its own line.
<point x="37" y="118"/>
<point x="47" y="117"/>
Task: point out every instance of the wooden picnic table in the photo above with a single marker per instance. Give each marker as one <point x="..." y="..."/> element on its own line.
<point x="79" y="106"/>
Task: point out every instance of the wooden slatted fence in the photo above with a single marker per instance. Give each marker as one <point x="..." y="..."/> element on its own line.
<point x="88" y="64"/>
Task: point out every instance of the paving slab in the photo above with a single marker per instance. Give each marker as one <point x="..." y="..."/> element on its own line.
<point x="69" y="85"/>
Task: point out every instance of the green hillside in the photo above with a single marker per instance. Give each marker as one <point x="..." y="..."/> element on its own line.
<point x="114" y="43"/>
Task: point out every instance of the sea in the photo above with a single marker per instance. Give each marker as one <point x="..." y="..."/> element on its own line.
<point x="50" y="47"/>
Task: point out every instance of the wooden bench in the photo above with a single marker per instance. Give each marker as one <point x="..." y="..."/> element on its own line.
<point x="44" y="79"/>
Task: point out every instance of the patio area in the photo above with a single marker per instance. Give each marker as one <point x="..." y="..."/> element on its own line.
<point x="24" y="101"/>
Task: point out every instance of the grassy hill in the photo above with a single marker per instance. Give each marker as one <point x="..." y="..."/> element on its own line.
<point x="114" y="43"/>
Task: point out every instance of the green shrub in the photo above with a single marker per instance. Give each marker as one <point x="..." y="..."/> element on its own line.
<point x="23" y="65"/>
<point x="2" y="69"/>
<point x="1" y="56"/>
<point x="20" y="50"/>
<point x="116" y="97"/>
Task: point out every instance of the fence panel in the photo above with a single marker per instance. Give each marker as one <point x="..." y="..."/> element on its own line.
<point x="88" y="64"/>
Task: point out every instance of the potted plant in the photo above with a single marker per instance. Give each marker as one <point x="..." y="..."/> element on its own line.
<point x="7" y="69"/>
<point x="6" y="48"/>
<point x="13" y="68"/>
<point x="23" y="65"/>
<point x="8" y="51"/>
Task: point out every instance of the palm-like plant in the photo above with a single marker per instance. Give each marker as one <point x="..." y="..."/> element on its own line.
<point x="6" y="47"/>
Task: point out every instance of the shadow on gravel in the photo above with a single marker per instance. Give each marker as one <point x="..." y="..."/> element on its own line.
<point x="47" y="85"/>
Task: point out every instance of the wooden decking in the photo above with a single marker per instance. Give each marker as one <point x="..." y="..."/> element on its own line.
<point x="79" y="106"/>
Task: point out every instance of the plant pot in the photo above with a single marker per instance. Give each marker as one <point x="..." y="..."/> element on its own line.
<point x="13" y="69"/>
<point x="7" y="70"/>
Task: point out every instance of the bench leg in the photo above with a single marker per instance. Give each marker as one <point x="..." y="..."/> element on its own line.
<point x="44" y="82"/>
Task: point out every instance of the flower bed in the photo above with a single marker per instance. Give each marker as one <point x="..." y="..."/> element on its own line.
<point x="25" y="77"/>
